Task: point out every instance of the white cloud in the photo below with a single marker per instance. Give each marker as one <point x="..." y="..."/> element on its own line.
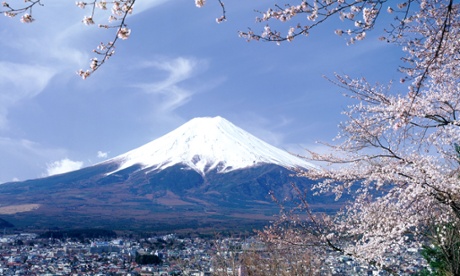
<point x="179" y="70"/>
<point x="63" y="166"/>
<point x="102" y="155"/>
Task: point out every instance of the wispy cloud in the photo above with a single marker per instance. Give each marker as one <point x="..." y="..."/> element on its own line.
<point x="63" y="166"/>
<point x="19" y="82"/>
<point x="172" y="92"/>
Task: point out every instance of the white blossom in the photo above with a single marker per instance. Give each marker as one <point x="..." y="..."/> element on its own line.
<point x="80" y="4"/>
<point x="124" y="33"/>
<point x="27" y="18"/>
<point x="102" y="5"/>
<point x="84" y="74"/>
<point x="88" y="20"/>
<point x="10" y="14"/>
<point x="200" y="3"/>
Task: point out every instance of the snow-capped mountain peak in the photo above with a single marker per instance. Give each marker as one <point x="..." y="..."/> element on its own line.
<point x="208" y="143"/>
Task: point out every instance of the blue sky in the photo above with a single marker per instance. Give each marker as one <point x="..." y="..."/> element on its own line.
<point x="178" y="64"/>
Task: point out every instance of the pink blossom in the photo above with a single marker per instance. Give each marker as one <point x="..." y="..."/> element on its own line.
<point x="27" y="18"/>
<point x="124" y="33"/>
<point x="200" y="3"/>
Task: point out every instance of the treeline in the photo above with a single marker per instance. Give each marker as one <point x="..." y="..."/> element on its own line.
<point x="144" y="259"/>
<point x="79" y="234"/>
<point x="5" y="224"/>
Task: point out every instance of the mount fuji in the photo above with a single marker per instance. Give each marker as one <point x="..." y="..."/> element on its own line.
<point x="206" y="144"/>
<point x="206" y="174"/>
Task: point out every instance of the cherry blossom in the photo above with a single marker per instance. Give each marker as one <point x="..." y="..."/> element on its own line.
<point x="88" y="20"/>
<point x="102" y="5"/>
<point x="119" y="11"/>
<point x="27" y="18"/>
<point x="200" y="3"/>
<point x="10" y="11"/>
<point x="123" y="33"/>
<point x="80" y="4"/>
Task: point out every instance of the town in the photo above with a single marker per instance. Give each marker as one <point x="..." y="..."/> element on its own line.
<point x="171" y="254"/>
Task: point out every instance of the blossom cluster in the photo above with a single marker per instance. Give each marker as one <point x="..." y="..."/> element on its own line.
<point x="200" y="3"/>
<point x="119" y="10"/>
<point x="26" y="10"/>
<point x="359" y="16"/>
<point x="118" y="13"/>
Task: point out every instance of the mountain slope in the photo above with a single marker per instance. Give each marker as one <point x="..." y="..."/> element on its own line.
<point x="208" y="174"/>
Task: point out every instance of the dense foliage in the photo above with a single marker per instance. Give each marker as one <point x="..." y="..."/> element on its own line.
<point x="144" y="259"/>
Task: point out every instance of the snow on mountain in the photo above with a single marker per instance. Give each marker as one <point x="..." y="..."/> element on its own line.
<point x="208" y="143"/>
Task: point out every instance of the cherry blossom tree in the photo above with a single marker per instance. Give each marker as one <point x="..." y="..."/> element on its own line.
<point x="397" y="153"/>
